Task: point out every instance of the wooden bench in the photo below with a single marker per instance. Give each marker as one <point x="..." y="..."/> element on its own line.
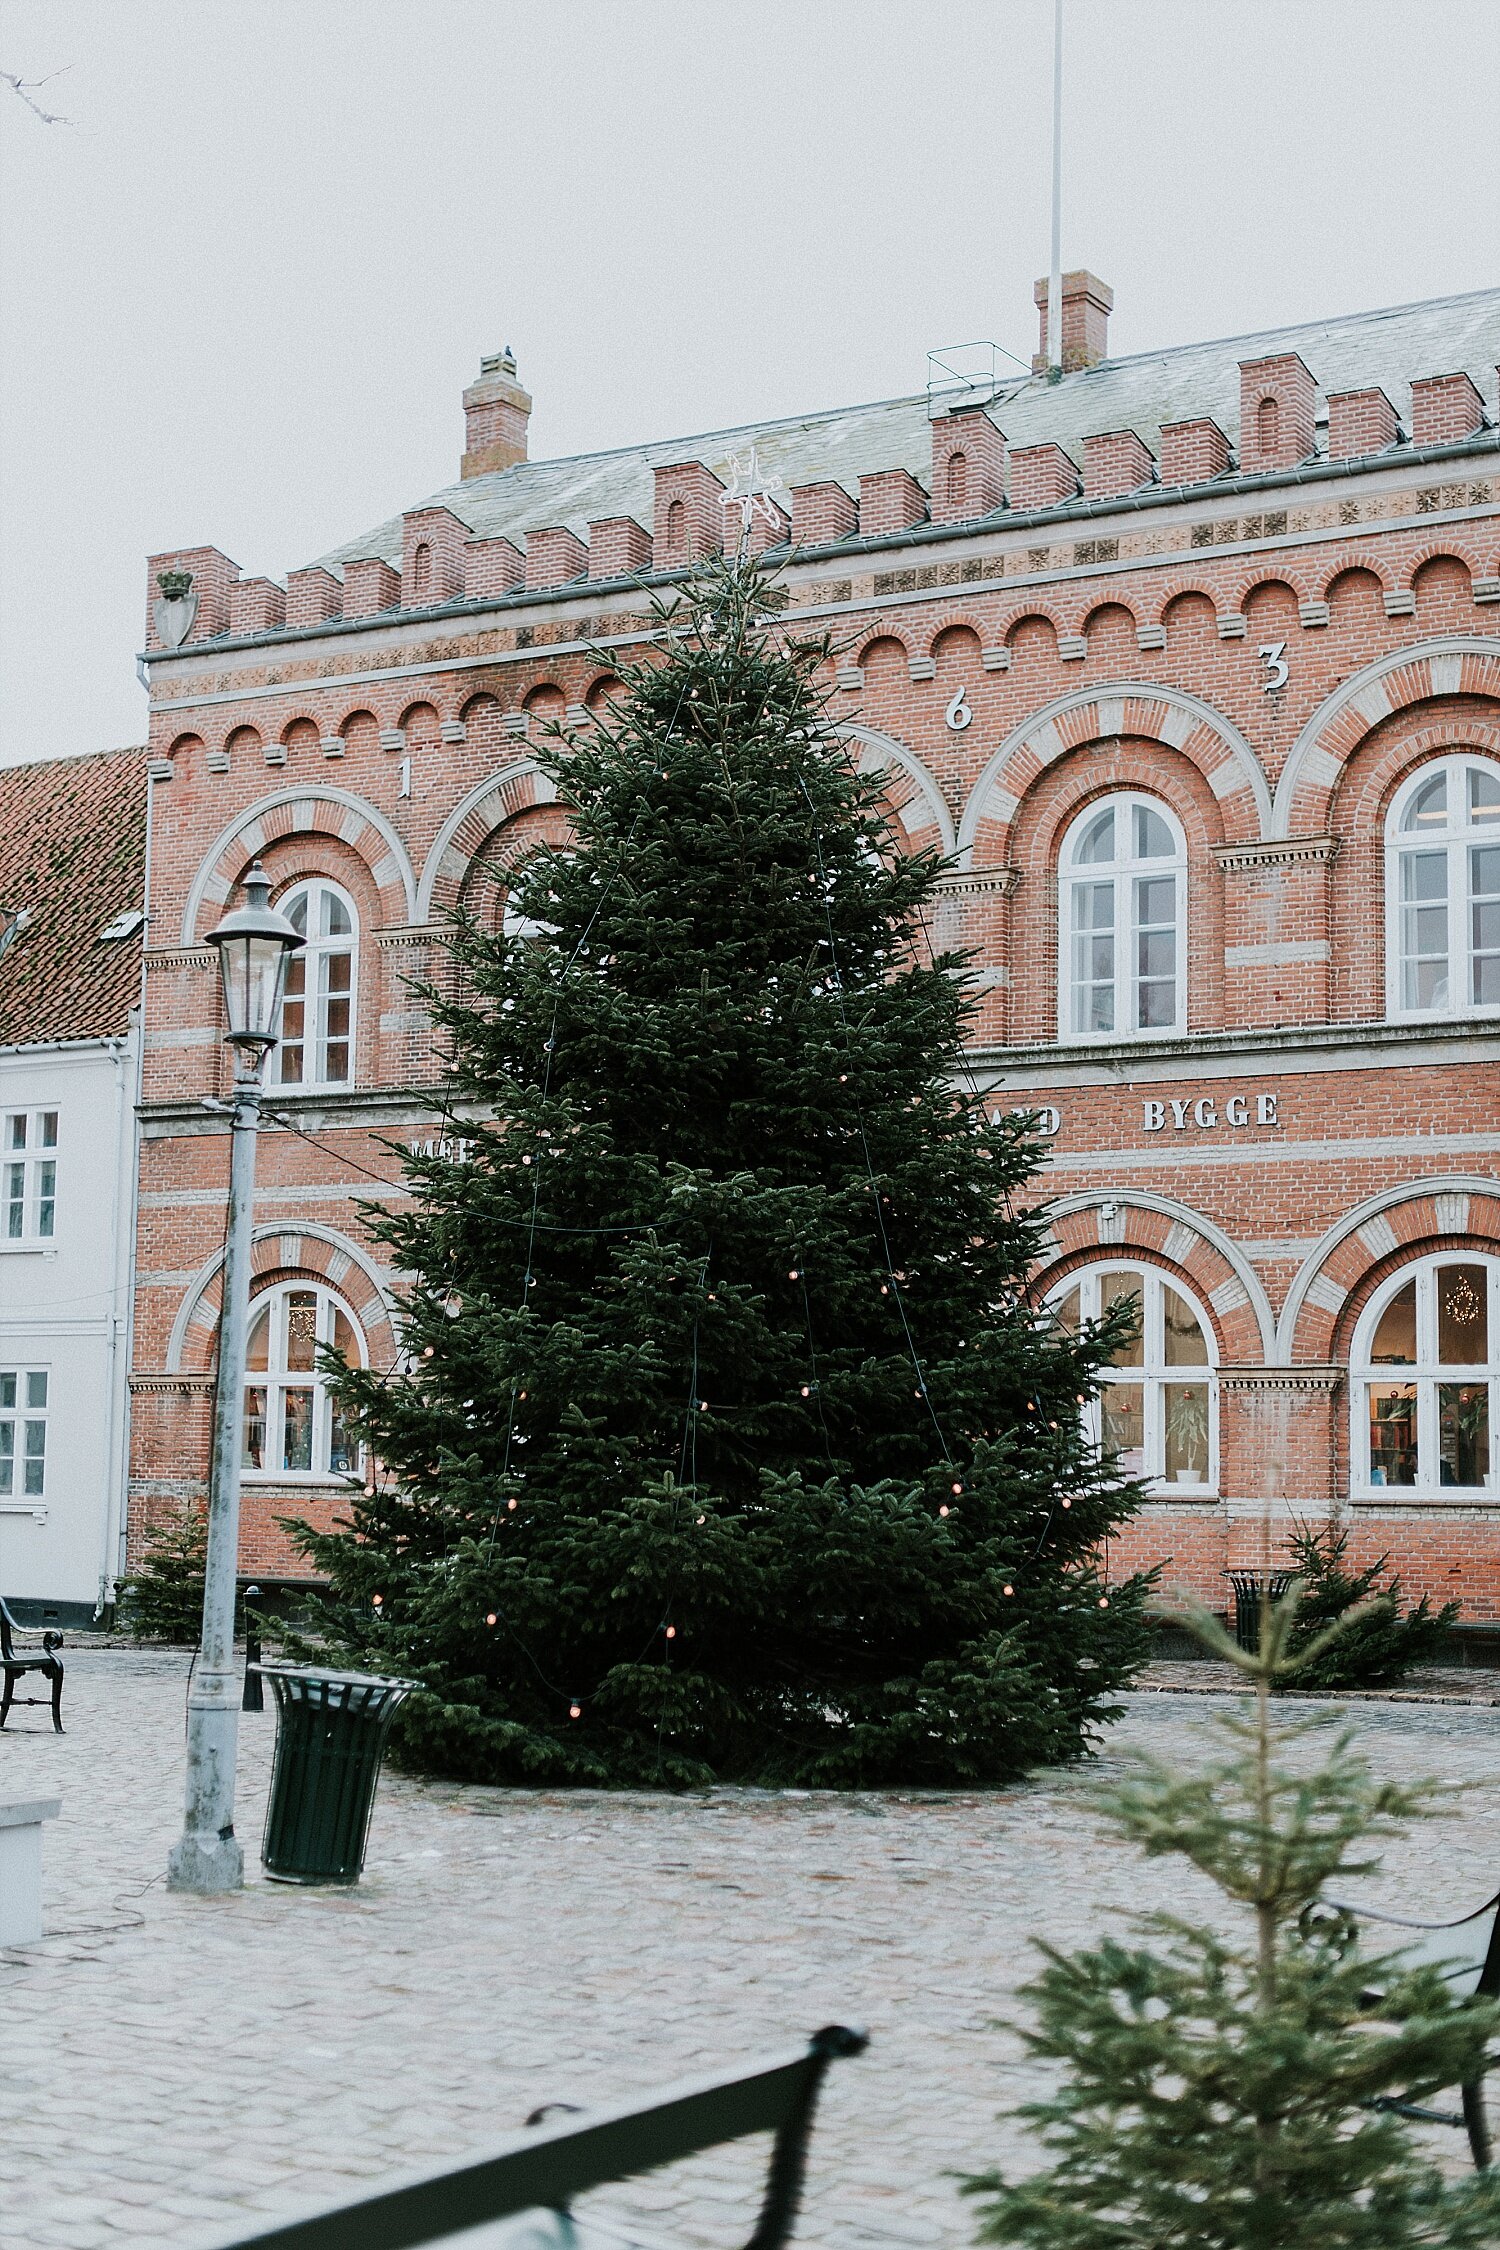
<point x="15" y="1667"/>
<point x="530" y="2180"/>
<point x="1467" y="1955"/>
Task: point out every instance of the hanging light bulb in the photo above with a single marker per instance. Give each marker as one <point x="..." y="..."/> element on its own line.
<point x="1010" y="1589"/>
<point x="958" y="1488"/>
<point x="1067" y="1503"/>
<point x="671" y="1632"/>
<point x="492" y="1619"/>
<point x="377" y="1601"/>
<point x="943" y="1510"/>
<point x="429" y="1351"/>
<point x="575" y="1710"/>
<point x="510" y="1504"/>
<point x="703" y="1519"/>
<point x="1104" y="1601"/>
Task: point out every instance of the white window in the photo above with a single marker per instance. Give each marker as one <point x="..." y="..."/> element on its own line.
<point x="1159" y="1409"/>
<point x="292" y="1428"/>
<point x="1422" y="1380"/>
<point x="23" y="1433"/>
<point x="317" y="1021"/>
<point x="1443" y="891"/>
<point x="1122" y="886"/>
<point x="29" y="1156"/>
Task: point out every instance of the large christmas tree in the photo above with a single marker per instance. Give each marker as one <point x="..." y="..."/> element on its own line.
<point x="729" y="1446"/>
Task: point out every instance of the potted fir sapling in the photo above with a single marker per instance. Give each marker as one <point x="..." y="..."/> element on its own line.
<point x="1215" y="2081"/>
<point x="1380" y="1642"/>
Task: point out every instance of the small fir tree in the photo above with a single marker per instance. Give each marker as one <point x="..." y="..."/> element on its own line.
<point x="164" y="1599"/>
<point x="1216" y="2092"/>
<point x="1380" y="1644"/>
<point x="728" y="1446"/>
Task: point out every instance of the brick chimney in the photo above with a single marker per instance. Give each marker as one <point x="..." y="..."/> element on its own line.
<point x="496" y="412"/>
<point x="1087" y="303"/>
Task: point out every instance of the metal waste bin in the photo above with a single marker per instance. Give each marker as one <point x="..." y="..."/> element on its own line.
<point x="1247" y="1586"/>
<point x="330" y="1736"/>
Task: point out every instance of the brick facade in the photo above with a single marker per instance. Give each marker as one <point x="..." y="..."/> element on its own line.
<point x="1262" y="627"/>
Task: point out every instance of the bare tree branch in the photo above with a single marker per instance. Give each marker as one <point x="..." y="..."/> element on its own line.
<point x="26" y="87"/>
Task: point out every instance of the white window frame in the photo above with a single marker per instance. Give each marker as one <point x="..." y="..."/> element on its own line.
<point x="1123" y="873"/>
<point x="1426" y="1374"/>
<point x="314" y="956"/>
<point x="19" y="1421"/>
<point x="276" y="1379"/>
<point x="1455" y="840"/>
<point x="1154" y="1370"/>
<point x="32" y="1169"/>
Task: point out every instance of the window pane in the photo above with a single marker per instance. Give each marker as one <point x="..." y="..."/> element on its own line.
<point x="1484" y="793"/>
<point x="46" y="1197"/>
<point x="15" y="1201"/>
<point x="336" y="922"/>
<point x="258" y="1347"/>
<point x="7" y="1459"/>
<point x="35" y="1464"/>
<point x="49" y="1128"/>
<point x="17" y="1133"/>
<point x="1393" y="1433"/>
<point x="1124" y="1425"/>
<point x="7" y="1390"/>
<point x="1484" y="922"/>
<point x="1097" y="843"/>
<point x="338" y="972"/>
<point x="1185" y="1423"/>
<point x="301" y="1328"/>
<point x="336" y="1063"/>
<point x="1428" y="807"/>
<point x="36" y="1390"/>
<point x="1464" y="1433"/>
<point x="342" y="1338"/>
<point x="296" y="914"/>
<point x="296" y="1444"/>
<point x="343" y="1452"/>
<point x="1395" y="1343"/>
<point x="1123" y="1289"/>
<point x="1156" y="1006"/>
<point x="1153" y="838"/>
<point x="1424" y="875"/>
<point x="1462" y="1316"/>
<point x="255" y="1426"/>
<point x="1184" y="1342"/>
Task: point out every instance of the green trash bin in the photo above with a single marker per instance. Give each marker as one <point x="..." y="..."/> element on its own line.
<point x="330" y="1736"/>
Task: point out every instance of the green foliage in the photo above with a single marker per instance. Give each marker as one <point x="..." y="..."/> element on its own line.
<point x="727" y="1427"/>
<point x="1378" y="1646"/>
<point x="164" y="1600"/>
<point x="1213" y="2091"/>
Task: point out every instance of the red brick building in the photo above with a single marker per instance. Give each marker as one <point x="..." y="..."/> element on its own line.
<point x="1192" y="659"/>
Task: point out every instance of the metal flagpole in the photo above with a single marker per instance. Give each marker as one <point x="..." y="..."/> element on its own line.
<point x="1054" y="284"/>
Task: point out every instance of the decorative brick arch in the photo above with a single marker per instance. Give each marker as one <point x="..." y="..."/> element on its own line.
<point x="1131" y="1222"/>
<point x="1126" y="707"/>
<point x="1281" y="571"/>
<point x="1454" y="665"/>
<point x="302" y="812"/>
<point x="914" y="795"/>
<point x="1183" y="592"/>
<point x="1438" y="550"/>
<point x="504" y="796"/>
<point x="959" y="624"/>
<point x="283" y="1253"/>
<point x="1358" y="1248"/>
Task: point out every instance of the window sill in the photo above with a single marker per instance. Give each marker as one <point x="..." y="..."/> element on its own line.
<point x="1199" y="1495"/>
<point x="35" y="1508"/>
<point x="1413" y="1496"/>
<point x="300" y="1480"/>
<point x="28" y="1249"/>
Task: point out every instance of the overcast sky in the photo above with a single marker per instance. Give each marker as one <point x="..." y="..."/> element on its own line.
<point x="243" y="287"/>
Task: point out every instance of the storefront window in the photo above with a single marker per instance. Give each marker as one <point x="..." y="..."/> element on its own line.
<point x="1428" y="1428"/>
<point x="1159" y="1408"/>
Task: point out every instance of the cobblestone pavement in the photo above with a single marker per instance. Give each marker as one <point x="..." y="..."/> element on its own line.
<point x="172" y="2068"/>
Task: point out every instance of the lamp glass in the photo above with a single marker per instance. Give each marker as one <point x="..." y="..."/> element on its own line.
<point x="254" y="945"/>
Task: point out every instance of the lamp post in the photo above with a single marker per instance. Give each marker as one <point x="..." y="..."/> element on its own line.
<point x="254" y="946"/>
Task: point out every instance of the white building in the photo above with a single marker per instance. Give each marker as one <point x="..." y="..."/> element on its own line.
<point x="72" y="872"/>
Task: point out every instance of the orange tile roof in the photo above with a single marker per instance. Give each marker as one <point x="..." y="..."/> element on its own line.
<point x="72" y="858"/>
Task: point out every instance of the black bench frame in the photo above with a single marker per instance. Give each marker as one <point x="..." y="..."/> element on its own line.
<point x="1337" y="1921"/>
<point x="544" y="2169"/>
<point x="15" y="1667"/>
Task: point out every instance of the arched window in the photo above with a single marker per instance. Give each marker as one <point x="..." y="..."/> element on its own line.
<point x="421" y="572"/>
<point x="1443" y="890"/>
<point x="1159" y="1410"/>
<point x="292" y="1428"/>
<point x="1422" y="1380"/>
<point x="676" y="527"/>
<point x="958" y="482"/>
<point x="317" y="1022"/>
<point x="1122" y="885"/>
<point x="1267" y="426"/>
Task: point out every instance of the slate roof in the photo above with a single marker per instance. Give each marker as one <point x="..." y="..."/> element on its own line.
<point x="1355" y="352"/>
<point x="72" y="858"/>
